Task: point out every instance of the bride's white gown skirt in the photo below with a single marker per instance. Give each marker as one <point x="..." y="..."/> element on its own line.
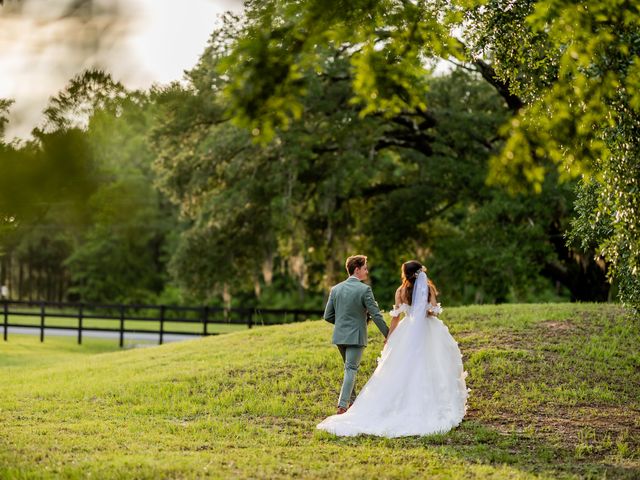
<point x="418" y="387"/>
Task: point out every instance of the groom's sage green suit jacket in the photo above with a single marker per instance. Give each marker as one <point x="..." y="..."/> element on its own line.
<point x="347" y="308"/>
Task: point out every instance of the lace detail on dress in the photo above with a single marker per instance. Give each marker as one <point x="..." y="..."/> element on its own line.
<point x="434" y="310"/>
<point x="398" y="309"/>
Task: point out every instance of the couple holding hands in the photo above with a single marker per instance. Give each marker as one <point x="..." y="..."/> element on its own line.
<point x="418" y="387"/>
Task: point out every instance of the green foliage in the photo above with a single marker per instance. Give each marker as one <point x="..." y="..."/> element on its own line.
<point x="583" y="114"/>
<point x="591" y="53"/>
<point x="310" y="131"/>
<point x="85" y="93"/>
<point x="568" y="72"/>
<point x="296" y="199"/>
<point x="44" y="187"/>
<point x="5" y="105"/>
<point x="57" y="168"/>
<point x="606" y="221"/>
<point x="86" y="182"/>
<point x="503" y="247"/>
<point x="302" y="198"/>
<point x="274" y="56"/>
<point x="245" y="404"/>
<point x="335" y="181"/>
<point x="122" y="256"/>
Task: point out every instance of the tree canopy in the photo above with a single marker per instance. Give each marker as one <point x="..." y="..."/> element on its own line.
<point x="568" y="71"/>
<point x="312" y="130"/>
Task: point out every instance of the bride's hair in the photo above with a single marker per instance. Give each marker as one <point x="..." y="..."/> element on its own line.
<point x="409" y="275"/>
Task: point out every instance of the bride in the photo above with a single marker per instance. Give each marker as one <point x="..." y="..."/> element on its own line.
<point x="418" y="387"/>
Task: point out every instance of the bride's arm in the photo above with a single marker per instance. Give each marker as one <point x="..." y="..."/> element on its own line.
<point x="435" y="309"/>
<point x="395" y="320"/>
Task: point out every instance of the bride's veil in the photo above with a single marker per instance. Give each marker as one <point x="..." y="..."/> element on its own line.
<point x="420" y="298"/>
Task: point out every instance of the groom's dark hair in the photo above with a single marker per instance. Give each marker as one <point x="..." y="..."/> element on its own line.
<point x="356" y="261"/>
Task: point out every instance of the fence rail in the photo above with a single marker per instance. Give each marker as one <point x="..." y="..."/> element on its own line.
<point x="185" y="320"/>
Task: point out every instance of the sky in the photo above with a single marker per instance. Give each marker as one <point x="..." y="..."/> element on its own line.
<point x="44" y="43"/>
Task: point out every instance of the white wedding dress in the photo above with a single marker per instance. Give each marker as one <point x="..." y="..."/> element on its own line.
<point x="418" y="387"/>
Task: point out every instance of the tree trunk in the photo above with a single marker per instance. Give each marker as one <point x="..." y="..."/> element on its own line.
<point x="21" y="280"/>
<point x="60" y="286"/>
<point x="585" y="278"/>
<point x="3" y="270"/>
<point x="30" y="279"/>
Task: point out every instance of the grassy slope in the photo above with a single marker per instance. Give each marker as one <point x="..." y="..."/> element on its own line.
<point x="26" y="352"/>
<point x="555" y="393"/>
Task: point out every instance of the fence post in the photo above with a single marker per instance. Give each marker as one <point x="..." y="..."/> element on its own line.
<point x="121" y="326"/>
<point x="250" y="319"/>
<point x="5" y="308"/>
<point x="205" y="319"/>
<point x="80" y="316"/>
<point x="42" y="313"/>
<point x="162" y="308"/>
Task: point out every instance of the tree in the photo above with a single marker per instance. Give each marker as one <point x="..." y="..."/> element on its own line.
<point x="570" y="79"/>
<point x="79" y="201"/>
<point x="121" y="256"/>
<point x="4" y="111"/>
<point x="44" y="185"/>
<point x="334" y="181"/>
<point x="582" y="113"/>
<point x="301" y="198"/>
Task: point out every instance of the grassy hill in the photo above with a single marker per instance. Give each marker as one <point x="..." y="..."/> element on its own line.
<point x="555" y="394"/>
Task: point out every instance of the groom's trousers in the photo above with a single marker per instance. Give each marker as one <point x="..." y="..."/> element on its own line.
<point x="351" y="355"/>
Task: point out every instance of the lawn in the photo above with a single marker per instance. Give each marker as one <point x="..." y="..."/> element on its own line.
<point x="26" y="352"/>
<point x="555" y="394"/>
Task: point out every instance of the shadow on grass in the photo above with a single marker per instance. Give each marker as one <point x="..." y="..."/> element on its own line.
<point x="473" y="442"/>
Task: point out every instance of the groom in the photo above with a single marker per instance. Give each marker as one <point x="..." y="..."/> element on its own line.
<point x="348" y="306"/>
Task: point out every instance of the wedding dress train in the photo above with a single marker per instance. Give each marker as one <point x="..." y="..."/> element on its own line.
<point x="418" y="387"/>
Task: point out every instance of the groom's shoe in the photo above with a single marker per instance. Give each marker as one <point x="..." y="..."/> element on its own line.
<point x="341" y="410"/>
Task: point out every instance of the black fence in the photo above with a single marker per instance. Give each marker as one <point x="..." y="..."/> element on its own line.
<point x="171" y="320"/>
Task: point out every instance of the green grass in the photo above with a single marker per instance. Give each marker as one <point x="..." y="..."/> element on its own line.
<point x="555" y="394"/>
<point x="26" y="351"/>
